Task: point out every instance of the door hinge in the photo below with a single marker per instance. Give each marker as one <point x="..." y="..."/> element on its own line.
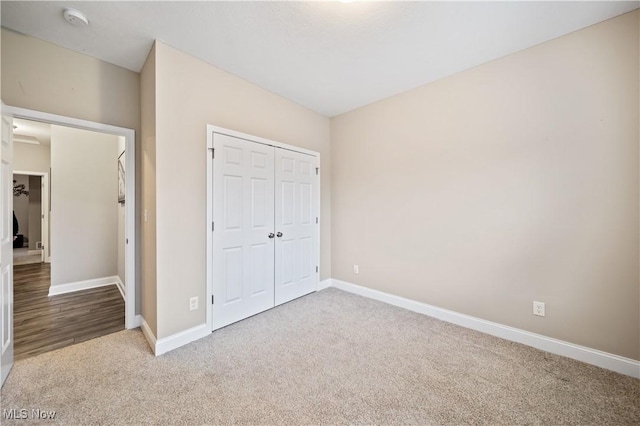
<point x="213" y="152"/>
<point x="316" y="219"/>
<point x="126" y="241"/>
<point x="212" y="299"/>
<point x="316" y="269"/>
<point x="213" y="227"/>
<point x="317" y="170"/>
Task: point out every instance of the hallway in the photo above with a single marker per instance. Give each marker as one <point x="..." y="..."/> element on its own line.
<point x="25" y="256"/>
<point x="43" y="323"/>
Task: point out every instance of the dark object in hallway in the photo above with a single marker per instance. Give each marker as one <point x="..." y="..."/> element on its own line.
<point x="18" y="241"/>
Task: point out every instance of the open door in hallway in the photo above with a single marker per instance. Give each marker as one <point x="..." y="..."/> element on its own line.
<point x="6" y="248"/>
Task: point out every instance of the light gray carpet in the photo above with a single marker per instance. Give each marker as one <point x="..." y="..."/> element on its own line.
<point x="330" y="357"/>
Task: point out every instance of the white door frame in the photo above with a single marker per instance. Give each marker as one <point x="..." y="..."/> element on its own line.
<point x="130" y="192"/>
<point x="211" y="129"/>
<point x="6" y="254"/>
<point x="44" y="229"/>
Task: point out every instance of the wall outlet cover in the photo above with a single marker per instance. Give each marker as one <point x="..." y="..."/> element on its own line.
<point x="193" y="303"/>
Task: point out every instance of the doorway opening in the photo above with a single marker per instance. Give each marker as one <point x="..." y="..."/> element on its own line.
<point x="74" y="198"/>
<point x="30" y="217"/>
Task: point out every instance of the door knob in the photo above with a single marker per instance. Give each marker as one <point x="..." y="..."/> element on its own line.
<point x="271" y="235"/>
<point x="279" y="234"/>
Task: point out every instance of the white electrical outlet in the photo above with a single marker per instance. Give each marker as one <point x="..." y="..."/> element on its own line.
<point x="355" y="269"/>
<point x="538" y="308"/>
<point x="193" y="303"/>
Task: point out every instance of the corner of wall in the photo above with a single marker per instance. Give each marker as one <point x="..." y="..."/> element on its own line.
<point x="148" y="290"/>
<point x="473" y="184"/>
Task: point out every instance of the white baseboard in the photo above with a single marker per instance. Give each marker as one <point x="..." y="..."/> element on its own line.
<point x="166" y="344"/>
<point x="137" y="322"/>
<point x="121" y="288"/>
<point x="174" y="341"/>
<point x="148" y="334"/>
<point x="324" y="284"/>
<point x="591" y="356"/>
<point x="55" y="290"/>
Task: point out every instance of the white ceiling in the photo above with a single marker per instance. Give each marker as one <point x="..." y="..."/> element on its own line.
<point x="31" y="129"/>
<point x="331" y="57"/>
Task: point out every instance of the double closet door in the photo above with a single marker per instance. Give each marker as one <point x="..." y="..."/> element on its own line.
<point x="265" y="236"/>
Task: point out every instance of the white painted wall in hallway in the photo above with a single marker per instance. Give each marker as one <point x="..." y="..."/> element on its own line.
<point x="84" y="205"/>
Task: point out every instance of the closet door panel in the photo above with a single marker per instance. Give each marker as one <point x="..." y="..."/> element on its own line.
<point x="243" y="214"/>
<point x="295" y="223"/>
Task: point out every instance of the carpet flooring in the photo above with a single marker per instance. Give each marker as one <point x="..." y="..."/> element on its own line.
<point x="327" y="358"/>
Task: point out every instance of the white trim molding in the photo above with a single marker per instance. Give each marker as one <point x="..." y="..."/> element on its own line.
<point x="166" y="344"/>
<point x="137" y="321"/>
<point x="121" y="288"/>
<point x="55" y="290"/>
<point x="148" y="334"/>
<point x="182" y="338"/>
<point x="591" y="356"/>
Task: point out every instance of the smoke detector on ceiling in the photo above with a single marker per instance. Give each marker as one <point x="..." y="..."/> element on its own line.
<point x="75" y="17"/>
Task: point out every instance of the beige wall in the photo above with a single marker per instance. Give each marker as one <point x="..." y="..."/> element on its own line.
<point x="148" y="185"/>
<point x="31" y="158"/>
<point x="511" y="182"/>
<point x="84" y="205"/>
<point x="44" y="77"/>
<point x="189" y="95"/>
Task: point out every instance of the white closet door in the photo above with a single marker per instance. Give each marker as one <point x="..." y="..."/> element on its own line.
<point x="296" y="227"/>
<point x="243" y="241"/>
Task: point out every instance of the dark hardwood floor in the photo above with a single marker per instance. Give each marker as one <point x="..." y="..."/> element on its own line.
<point x="43" y="323"/>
